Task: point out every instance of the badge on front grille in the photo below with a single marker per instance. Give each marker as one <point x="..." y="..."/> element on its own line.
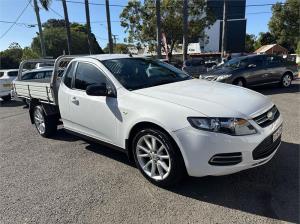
<point x="270" y="115"/>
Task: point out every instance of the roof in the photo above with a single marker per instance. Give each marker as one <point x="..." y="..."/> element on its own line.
<point x="103" y="57"/>
<point x="9" y="70"/>
<point x="265" y="48"/>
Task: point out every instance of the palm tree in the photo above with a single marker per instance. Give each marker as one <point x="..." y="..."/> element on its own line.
<point x="88" y="25"/>
<point x="69" y="41"/>
<point x="45" y="4"/>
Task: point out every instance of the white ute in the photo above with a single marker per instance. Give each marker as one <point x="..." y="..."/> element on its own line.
<point x="167" y="122"/>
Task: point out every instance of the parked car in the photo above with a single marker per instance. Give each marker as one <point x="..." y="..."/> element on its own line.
<point x="194" y="67"/>
<point x="167" y="122"/>
<point x="6" y="78"/>
<point x="254" y="70"/>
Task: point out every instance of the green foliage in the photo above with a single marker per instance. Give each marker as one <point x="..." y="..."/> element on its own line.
<point x="118" y="48"/>
<point x="285" y="23"/>
<point x="28" y="53"/>
<point x="250" y="43"/>
<point x="56" y="39"/>
<point x="11" y="57"/>
<point x="139" y="21"/>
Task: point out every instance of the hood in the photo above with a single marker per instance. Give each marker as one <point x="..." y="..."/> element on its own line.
<point x="212" y="99"/>
<point x="220" y="71"/>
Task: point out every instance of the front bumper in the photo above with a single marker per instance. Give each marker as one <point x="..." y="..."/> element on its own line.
<point x="198" y="147"/>
<point x="4" y="93"/>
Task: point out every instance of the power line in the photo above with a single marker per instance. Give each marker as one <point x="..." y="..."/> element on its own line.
<point x="16" y="21"/>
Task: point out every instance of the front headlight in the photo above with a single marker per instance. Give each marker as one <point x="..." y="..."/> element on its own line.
<point x="222" y="77"/>
<point x="230" y="126"/>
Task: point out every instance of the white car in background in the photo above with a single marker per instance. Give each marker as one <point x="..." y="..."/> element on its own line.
<point x="7" y="76"/>
<point x="167" y="122"/>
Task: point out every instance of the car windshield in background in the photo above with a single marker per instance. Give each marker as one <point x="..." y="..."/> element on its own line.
<point x="236" y="63"/>
<point x="138" y="73"/>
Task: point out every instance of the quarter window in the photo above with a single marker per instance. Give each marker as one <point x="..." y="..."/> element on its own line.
<point x="87" y="74"/>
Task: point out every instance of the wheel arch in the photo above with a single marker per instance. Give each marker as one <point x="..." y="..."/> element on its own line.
<point x="288" y="72"/>
<point x="149" y="124"/>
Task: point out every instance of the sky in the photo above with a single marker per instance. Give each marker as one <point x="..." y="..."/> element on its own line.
<point x="257" y="19"/>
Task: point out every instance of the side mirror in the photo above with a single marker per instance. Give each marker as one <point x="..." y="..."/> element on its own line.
<point x="97" y="90"/>
<point x="251" y="66"/>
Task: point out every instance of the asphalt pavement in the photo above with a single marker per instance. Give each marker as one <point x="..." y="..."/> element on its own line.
<point x="69" y="180"/>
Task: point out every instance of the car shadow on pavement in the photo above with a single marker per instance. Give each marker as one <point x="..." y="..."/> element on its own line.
<point x="271" y="190"/>
<point x="274" y="89"/>
<point x="11" y="103"/>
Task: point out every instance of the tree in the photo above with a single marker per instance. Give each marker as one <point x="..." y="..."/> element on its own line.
<point x="284" y="23"/>
<point x="45" y="4"/>
<point x="139" y="21"/>
<point x="264" y="39"/>
<point x="28" y="53"/>
<point x="250" y="43"/>
<point x="298" y="48"/>
<point x="55" y="39"/>
<point x="118" y="48"/>
<point x="11" y="57"/>
<point x="69" y="41"/>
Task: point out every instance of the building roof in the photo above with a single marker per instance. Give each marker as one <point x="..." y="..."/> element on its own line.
<point x="265" y="48"/>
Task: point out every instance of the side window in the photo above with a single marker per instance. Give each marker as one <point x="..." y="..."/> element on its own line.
<point x="39" y="75"/>
<point x="258" y="61"/>
<point x="48" y="74"/>
<point x="69" y="74"/>
<point x="12" y="74"/>
<point x="87" y="74"/>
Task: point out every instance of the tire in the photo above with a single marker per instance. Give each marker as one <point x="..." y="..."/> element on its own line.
<point x="239" y="82"/>
<point x="165" y="160"/>
<point x="6" y="98"/>
<point x="45" y="125"/>
<point x="286" y="80"/>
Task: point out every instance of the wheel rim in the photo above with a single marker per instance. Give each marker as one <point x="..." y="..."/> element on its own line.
<point x="153" y="157"/>
<point x="240" y="83"/>
<point x="287" y="80"/>
<point x="39" y="121"/>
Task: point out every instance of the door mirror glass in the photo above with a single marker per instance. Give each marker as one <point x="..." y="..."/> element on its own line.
<point x="97" y="90"/>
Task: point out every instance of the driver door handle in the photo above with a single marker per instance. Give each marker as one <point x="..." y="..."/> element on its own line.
<point x="75" y="101"/>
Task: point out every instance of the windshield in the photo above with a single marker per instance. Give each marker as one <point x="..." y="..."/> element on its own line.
<point x="138" y="73"/>
<point x="236" y="63"/>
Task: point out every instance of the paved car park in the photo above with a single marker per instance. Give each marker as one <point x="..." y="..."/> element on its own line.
<point x="69" y="180"/>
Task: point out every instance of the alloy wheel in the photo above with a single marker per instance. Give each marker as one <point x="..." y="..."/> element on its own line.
<point x="286" y="80"/>
<point x="39" y="121"/>
<point x="153" y="157"/>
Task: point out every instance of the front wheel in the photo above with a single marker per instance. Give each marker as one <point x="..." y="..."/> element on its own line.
<point x="45" y="125"/>
<point x="286" y="80"/>
<point x="158" y="159"/>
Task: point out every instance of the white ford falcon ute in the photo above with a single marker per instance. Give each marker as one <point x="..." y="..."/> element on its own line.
<point x="167" y="122"/>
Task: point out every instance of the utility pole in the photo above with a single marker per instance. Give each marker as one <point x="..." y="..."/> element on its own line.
<point x="69" y="41"/>
<point x="158" y="29"/>
<point x="185" y="29"/>
<point x="110" y="41"/>
<point x="41" y="36"/>
<point x="88" y="25"/>
<point x="224" y="31"/>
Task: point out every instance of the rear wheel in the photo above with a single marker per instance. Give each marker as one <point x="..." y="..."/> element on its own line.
<point x="157" y="157"/>
<point x="286" y="80"/>
<point x="45" y="125"/>
<point x="239" y="82"/>
<point x="6" y="98"/>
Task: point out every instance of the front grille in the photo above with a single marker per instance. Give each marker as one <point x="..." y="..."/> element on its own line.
<point x="264" y="120"/>
<point x="226" y="159"/>
<point x="266" y="148"/>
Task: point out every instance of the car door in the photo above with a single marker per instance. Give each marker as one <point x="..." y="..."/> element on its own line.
<point x="275" y="68"/>
<point x="92" y="115"/>
<point x="256" y="72"/>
